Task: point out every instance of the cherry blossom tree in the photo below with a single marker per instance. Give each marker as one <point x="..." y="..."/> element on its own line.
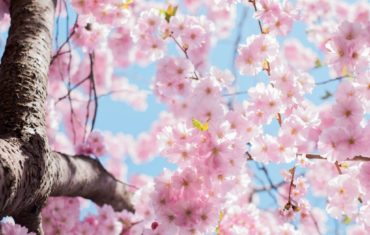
<point x="214" y="132"/>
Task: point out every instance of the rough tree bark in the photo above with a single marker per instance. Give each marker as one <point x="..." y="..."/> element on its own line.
<point x="29" y="171"/>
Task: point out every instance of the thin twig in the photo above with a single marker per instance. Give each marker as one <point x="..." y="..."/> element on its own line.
<point x="57" y="23"/>
<point x="236" y="93"/>
<point x="69" y="77"/>
<point x="255" y="9"/>
<point x="272" y="187"/>
<point x="328" y="81"/>
<point x="315" y="223"/>
<point x="268" y="191"/>
<point x="337" y="165"/>
<point x="94" y="92"/>
<point x="291" y="185"/>
<point x="185" y="51"/>
<point x="279" y="119"/>
<point x="319" y="157"/>
<point x="87" y="117"/>
<point x="267" y="175"/>
<point x="237" y="40"/>
<point x="67" y="41"/>
<point x="356" y="158"/>
<point x="73" y="88"/>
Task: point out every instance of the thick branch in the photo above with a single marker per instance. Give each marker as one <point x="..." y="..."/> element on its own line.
<point x="86" y="177"/>
<point x="24" y="68"/>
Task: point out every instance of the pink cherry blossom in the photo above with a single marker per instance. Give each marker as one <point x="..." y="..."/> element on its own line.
<point x="298" y="56"/>
<point x="94" y="145"/>
<point x="343" y="193"/>
<point x="14" y="229"/>
<point x="341" y="143"/>
<point x="363" y="176"/>
<point x="253" y="54"/>
<point x="348" y="111"/>
<point x="278" y="17"/>
<point x="89" y="33"/>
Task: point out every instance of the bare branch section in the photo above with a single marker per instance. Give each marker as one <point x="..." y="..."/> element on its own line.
<point x="24" y="68"/>
<point x="86" y="177"/>
<point x="356" y="158"/>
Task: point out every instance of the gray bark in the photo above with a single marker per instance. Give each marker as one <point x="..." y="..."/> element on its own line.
<point x="29" y="171"/>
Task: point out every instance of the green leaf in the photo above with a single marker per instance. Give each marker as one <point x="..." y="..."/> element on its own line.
<point x="346" y="220"/>
<point x="126" y="4"/>
<point x="199" y="125"/>
<point x="344" y="71"/>
<point x="318" y="63"/>
<point x="220" y="217"/>
<point x="171" y="11"/>
<point x="265" y="65"/>
<point x="327" y="95"/>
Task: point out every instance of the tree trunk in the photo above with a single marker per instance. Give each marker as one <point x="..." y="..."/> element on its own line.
<point x="29" y="171"/>
<point x="24" y="68"/>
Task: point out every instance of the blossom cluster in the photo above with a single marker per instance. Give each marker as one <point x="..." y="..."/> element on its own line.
<point x="277" y="17"/>
<point x="343" y="135"/>
<point x="94" y="145"/>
